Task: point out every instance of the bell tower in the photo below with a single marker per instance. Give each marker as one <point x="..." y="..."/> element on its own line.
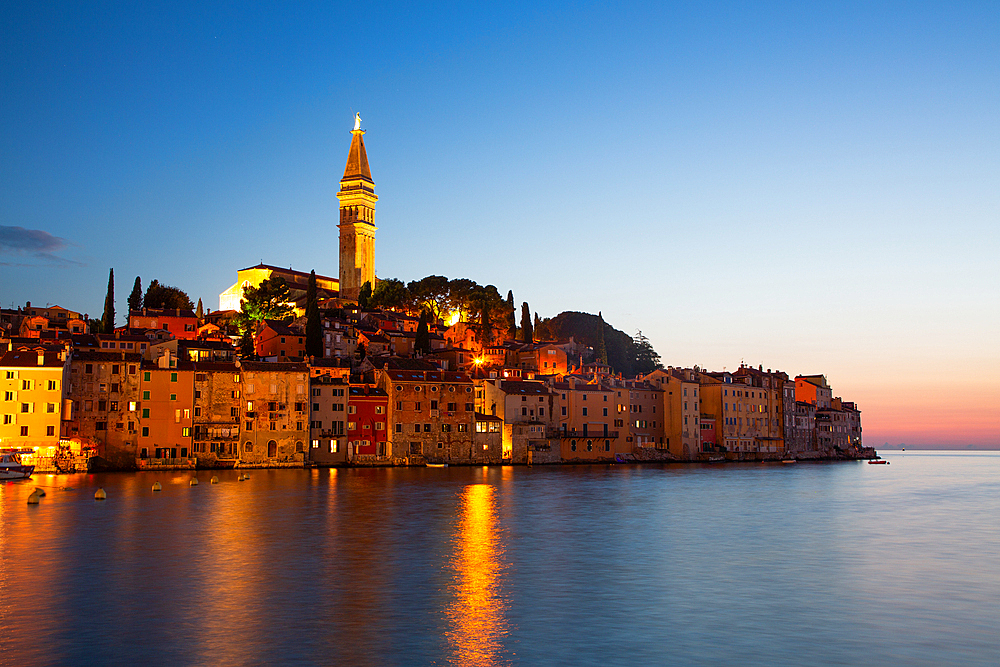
<point x="357" y="219"/>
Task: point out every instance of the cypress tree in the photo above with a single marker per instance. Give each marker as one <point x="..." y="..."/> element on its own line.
<point x="200" y="312"/>
<point x="527" y="329"/>
<point x="108" y="323"/>
<point x="600" y="350"/>
<point x="423" y="341"/>
<point x="511" y="322"/>
<point x="135" y="298"/>
<point x="365" y="296"/>
<point x="314" y="330"/>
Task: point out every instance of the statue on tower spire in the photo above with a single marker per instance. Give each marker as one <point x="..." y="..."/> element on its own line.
<point x="357" y="121"/>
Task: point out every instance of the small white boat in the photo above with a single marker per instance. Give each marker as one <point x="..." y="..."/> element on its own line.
<point x="437" y="465"/>
<point x="12" y="468"/>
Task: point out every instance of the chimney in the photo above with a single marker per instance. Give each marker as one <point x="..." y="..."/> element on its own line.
<point x="41" y="358"/>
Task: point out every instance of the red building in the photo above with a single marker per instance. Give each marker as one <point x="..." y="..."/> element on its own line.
<point x="708" y="436"/>
<point x="279" y="341"/>
<point x="367" y="421"/>
<point x="178" y="321"/>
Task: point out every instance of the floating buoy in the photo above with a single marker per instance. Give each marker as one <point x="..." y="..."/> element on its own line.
<point x="157" y="486"/>
<point x="214" y="480"/>
<point x="193" y="482"/>
<point x="100" y="495"/>
<point x="33" y="498"/>
<point x="246" y="476"/>
<point x="40" y="492"/>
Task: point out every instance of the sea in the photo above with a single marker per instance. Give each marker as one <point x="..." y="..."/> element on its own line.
<point x="838" y="563"/>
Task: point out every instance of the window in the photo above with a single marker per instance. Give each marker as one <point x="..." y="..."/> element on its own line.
<point x="605" y="412"/>
<point x="25" y="384"/>
<point x="572" y="445"/>
<point x="8" y="419"/>
<point x="197" y="412"/>
<point x="446" y="428"/>
<point x="352" y="426"/>
<point x="248" y="426"/>
<point x="352" y="409"/>
<point x="173" y="377"/>
<point x="115" y="369"/>
<point x="585" y="410"/>
<point x="186" y="432"/>
<point x="399" y="428"/>
<point x="50" y="431"/>
<point x="145" y="431"/>
<point x="24" y="431"/>
<point x="416" y="428"/>
<point x="53" y="385"/>
<point x="50" y="408"/>
<point x="247" y="446"/>
<point x="27" y="407"/>
<point x="173" y="397"/>
<point x="334" y="446"/>
<point x="590" y="445"/>
<point x="427" y="428"/>
<point x="379" y="426"/>
<point x="380" y="409"/>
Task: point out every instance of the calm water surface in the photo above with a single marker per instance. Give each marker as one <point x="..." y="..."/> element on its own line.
<point x="805" y="564"/>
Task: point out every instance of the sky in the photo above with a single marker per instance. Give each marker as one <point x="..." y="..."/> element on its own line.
<point x="810" y="187"/>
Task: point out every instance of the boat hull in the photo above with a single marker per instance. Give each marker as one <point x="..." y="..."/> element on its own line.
<point x="16" y="472"/>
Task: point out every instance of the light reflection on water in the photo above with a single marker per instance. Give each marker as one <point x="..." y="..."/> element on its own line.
<point x="820" y="564"/>
<point x="477" y="614"/>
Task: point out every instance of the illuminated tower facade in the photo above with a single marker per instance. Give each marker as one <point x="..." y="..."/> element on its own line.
<point x="357" y="219"/>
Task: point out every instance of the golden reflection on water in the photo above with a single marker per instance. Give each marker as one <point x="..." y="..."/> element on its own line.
<point x="477" y="614"/>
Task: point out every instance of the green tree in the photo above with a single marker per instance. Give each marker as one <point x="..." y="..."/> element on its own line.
<point x="460" y="292"/>
<point x="487" y="302"/>
<point x="390" y="293"/>
<point x="527" y="329"/>
<point x="314" y="329"/>
<point x="600" y="350"/>
<point x="246" y="343"/>
<point x="423" y="341"/>
<point x="108" y="322"/>
<point x="267" y="301"/>
<point x="431" y="293"/>
<point x="511" y="322"/>
<point x="135" y="298"/>
<point x="165" y="296"/>
<point x="199" y="311"/>
<point x="96" y="326"/>
<point x="365" y="296"/>
<point x="646" y="358"/>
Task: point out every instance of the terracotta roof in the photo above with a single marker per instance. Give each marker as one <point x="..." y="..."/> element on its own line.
<point x="275" y="366"/>
<point x="98" y="355"/>
<point x="523" y="387"/>
<point x="227" y="366"/>
<point x="25" y="358"/>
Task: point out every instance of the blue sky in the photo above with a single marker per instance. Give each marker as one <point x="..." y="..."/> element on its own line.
<point x="811" y="187"/>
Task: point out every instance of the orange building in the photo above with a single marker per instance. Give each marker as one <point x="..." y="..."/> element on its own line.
<point x="166" y="403"/>
<point x="279" y="342"/>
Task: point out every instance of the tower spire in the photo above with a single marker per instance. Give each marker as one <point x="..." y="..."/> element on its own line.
<point x="357" y="218"/>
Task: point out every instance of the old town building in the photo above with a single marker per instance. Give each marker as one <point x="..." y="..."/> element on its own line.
<point x="431" y="414"/>
<point x="105" y="395"/>
<point x="276" y="413"/>
<point x="217" y="414"/>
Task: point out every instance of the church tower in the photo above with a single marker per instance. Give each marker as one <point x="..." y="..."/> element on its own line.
<point x="357" y="219"/>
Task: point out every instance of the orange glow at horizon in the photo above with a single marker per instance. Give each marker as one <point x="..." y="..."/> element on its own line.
<point x="478" y="623"/>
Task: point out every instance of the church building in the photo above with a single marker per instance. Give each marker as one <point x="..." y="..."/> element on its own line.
<point x="357" y="238"/>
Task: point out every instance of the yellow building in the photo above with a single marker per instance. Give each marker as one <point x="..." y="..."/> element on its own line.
<point x="297" y="281"/>
<point x="32" y="383"/>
